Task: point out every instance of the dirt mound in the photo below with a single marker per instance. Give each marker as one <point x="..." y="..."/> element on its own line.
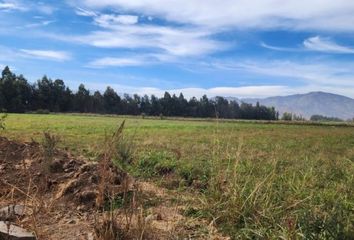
<point x="65" y="197"/>
<point x="64" y="177"/>
<point x="64" y="190"/>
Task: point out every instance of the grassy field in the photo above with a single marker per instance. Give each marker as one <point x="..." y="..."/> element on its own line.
<point x="252" y="180"/>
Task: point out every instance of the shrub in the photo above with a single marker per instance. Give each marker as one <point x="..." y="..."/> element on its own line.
<point x="124" y="150"/>
<point x="2" y="121"/>
<point x="49" y="144"/>
<point x="287" y="116"/>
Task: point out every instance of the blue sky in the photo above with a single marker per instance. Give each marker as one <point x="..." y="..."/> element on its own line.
<point x="237" y="48"/>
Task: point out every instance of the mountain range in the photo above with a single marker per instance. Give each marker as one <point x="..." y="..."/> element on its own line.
<point x="306" y="105"/>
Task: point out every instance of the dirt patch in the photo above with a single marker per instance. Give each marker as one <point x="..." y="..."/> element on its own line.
<point x="67" y="200"/>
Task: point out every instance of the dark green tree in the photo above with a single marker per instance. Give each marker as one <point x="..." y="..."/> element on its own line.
<point x="111" y="101"/>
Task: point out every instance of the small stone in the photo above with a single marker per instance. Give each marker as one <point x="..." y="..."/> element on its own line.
<point x="11" y="212"/>
<point x="12" y="232"/>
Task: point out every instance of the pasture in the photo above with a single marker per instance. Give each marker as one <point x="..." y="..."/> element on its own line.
<point x="251" y="180"/>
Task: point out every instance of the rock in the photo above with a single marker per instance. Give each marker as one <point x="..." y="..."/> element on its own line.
<point x="9" y="231"/>
<point x="11" y="212"/>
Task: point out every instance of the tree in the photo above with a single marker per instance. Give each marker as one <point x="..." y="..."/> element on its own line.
<point x="17" y="95"/>
<point x="58" y="89"/>
<point x="44" y="98"/>
<point x="287" y="116"/>
<point x="145" y="105"/>
<point x="11" y="98"/>
<point x="82" y="99"/>
<point x="156" y="108"/>
<point x="166" y="103"/>
<point x="111" y="101"/>
<point x="97" y="102"/>
<point x="25" y="94"/>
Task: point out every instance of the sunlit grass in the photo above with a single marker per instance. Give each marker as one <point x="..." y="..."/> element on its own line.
<point x="253" y="180"/>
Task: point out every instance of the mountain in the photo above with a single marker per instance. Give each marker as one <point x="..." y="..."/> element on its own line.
<point x="313" y="103"/>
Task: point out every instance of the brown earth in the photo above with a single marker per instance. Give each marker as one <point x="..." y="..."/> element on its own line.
<point x="67" y="197"/>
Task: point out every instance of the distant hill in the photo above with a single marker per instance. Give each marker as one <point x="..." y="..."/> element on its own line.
<point x="321" y="103"/>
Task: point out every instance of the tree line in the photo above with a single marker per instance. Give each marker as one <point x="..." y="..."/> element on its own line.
<point x="17" y="95"/>
<point x="321" y="118"/>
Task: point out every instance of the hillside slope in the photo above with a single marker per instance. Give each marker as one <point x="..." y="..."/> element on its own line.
<point x="327" y="104"/>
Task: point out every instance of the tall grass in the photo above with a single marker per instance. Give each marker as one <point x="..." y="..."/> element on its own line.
<point x="123" y="214"/>
<point x="281" y="197"/>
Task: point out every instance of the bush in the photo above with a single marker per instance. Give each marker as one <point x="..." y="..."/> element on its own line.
<point x="125" y="150"/>
<point x="49" y="144"/>
<point x="320" y="118"/>
<point x="2" y="121"/>
<point x="287" y="116"/>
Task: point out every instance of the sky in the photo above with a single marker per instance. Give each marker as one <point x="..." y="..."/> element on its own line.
<point x="236" y="48"/>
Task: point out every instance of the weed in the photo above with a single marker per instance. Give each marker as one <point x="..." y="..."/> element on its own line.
<point x="49" y="145"/>
<point x="127" y="200"/>
<point x="2" y="121"/>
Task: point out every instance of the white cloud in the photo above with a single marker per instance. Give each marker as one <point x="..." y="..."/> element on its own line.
<point x="117" y="62"/>
<point x="276" y="48"/>
<point x="183" y="41"/>
<point x="326" y="15"/>
<point x="85" y="13"/>
<point x="37" y="24"/>
<point x="11" y="5"/>
<point x="326" y="45"/>
<point x="325" y="74"/>
<point x="46" y="54"/>
<point x="45" y="9"/>
<point x="132" y="60"/>
<point x="110" y="20"/>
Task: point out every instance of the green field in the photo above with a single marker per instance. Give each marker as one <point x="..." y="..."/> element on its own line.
<point x="254" y="180"/>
